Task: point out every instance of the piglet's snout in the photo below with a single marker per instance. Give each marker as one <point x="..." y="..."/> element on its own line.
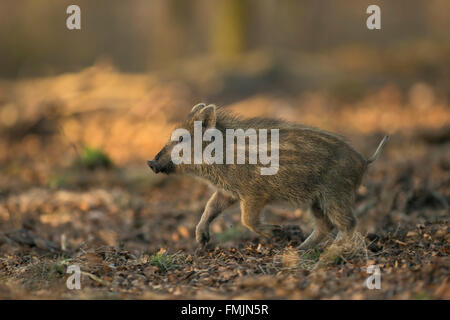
<point x="154" y="166"/>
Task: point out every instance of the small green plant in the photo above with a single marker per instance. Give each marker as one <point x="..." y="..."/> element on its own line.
<point x="311" y="255"/>
<point x="163" y="261"/>
<point x="421" y="295"/>
<point x="57" y="181"/>
<point x="92" y="158"/>
<point x="59" y="268"/>
<point x="233" y="233"/>
<point x="308" y="259"/>
<point x="338" y="260"/>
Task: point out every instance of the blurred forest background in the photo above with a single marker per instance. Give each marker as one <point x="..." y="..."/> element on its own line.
<point x="81" y="111"/>
<point x="141" y="35"/>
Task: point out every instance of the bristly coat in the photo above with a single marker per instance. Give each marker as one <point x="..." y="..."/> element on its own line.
<point x="316" y="168"/>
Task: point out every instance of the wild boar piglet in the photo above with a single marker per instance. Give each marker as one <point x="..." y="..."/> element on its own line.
<point x="258" y="161"/>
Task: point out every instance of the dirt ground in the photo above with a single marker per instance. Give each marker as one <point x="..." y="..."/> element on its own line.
<point x="132" y="232"/>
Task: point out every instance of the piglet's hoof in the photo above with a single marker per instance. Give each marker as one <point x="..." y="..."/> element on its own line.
<point x="293" y="233"/>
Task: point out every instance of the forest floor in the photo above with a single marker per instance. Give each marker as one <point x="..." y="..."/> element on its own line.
<point x="132" y="232"/>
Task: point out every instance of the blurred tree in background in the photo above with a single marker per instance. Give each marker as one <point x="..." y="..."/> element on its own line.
<point x="229" y="33"/>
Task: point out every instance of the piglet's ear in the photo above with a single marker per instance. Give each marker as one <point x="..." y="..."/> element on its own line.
<point x="208" y="116"/>
<point x="198" y="107"/>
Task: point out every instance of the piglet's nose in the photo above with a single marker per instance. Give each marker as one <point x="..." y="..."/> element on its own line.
<point x="152" y="164"/>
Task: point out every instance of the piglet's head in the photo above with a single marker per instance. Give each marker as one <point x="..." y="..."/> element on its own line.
<point x="184" y="133"/>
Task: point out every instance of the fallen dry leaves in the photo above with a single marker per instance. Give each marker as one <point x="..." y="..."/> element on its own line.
<point x="132" y="233"/>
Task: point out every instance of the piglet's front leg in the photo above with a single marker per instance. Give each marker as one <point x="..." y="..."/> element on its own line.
<point x="218" y="202"/>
